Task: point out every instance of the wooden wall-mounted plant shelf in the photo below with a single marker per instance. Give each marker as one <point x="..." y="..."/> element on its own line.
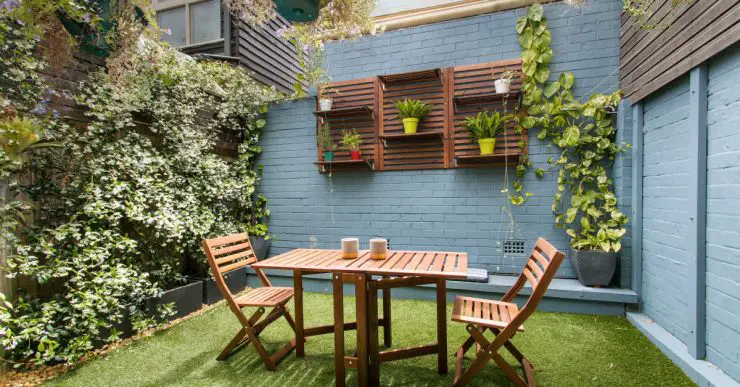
<point x="351" y="111"/>
<point x="488" y="99"/>
<point x="344" y="165"/>
<point x="441" y="141"/>
<point x="389" y="139"/>
<point x="511" y="158"/>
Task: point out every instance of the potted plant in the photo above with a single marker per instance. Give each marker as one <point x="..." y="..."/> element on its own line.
<point x="325" y="98"/>
<point x="351" y="142"/>
<point x="326" y="143"/>
<point x="484" y="128"/>
<point x="257" y="229"/>
<point x="503" y="83"/>
<point x="595" y="245"/>
<point x="411" y="111"/>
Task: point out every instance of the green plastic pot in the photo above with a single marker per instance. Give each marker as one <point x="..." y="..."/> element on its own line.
<point x="410" y="125"/>
<point x="487" y="145"/>
<point x="328" y="156"/>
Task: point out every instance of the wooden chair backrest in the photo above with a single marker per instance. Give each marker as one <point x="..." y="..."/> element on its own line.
<point x="226" y="254"/>
<point x="539" y="271"/>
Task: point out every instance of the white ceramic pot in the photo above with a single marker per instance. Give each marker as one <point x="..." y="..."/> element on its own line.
<point x="502" y="85"/>
<point x="325" y="104"/>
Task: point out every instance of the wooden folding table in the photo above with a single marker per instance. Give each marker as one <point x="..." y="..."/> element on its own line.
<point x="400" y="269"/>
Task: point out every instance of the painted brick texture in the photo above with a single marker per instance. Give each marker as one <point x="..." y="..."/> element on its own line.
<point x="454" y="209"/>
<point x="723" y="212"/>
<point x="665" y="203"/>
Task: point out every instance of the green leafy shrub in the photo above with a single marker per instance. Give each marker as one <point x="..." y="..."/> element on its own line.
<point x="126" y="199"/>
<point x="486" y="125"/>
<point x="412" y="108"/>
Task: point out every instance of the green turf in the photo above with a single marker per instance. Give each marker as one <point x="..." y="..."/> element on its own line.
<point x="567" y="349"/>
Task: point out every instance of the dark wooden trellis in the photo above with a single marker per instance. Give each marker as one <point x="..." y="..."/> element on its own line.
<point x="440" y="142"/>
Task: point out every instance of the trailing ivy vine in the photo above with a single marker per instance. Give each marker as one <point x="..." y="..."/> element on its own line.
<point x="584" y="203"/>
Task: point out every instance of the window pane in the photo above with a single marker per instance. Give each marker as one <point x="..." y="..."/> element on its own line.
<point x="173" y="21"/>
<point x="205" y="21"/>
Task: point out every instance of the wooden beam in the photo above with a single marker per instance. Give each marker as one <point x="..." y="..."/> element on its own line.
<point x="405" y="353"/>
<point x="697" y="210"/>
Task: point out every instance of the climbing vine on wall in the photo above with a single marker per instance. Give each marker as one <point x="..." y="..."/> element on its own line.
<point x="584" y="203"/>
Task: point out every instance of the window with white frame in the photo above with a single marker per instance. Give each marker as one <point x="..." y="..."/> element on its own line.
<point x="188" y="22"/>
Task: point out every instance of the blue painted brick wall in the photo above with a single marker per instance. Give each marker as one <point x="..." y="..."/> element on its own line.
<point x="455" y="209"/>
<point x="723" y="212"/>
<point x="665" y="204"/>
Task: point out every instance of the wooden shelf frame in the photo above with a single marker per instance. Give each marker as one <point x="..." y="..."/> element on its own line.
<point x="343" y="164"/>
<point x="441" y="142"/>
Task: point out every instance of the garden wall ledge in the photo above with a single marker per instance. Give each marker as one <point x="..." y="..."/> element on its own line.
<point x="563" y="295"/>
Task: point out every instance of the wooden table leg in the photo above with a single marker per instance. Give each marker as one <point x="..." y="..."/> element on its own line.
<point x="298" y="299"/>
<point x="441" y="326"/>
<point x="339" y="370"/>
<point x="387" y="332"/>
<point x="362" y="329"/>
<point x="372" y="333"/>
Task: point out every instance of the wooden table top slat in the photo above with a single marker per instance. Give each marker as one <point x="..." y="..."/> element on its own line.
<point x="420" y="263"/>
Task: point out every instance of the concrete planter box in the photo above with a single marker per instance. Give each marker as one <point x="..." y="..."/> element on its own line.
<point x="187" y="298"/>
<point x="261" y="246"/>
<point x="236" y="281"/>
<point x="125" y="327"/>
<point x="594" y="268"/>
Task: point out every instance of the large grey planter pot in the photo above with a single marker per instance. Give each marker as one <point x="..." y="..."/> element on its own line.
<point x="187" y="298"/>
<point x="261" y="246"/>
<point x="236" y="280"/>
<point x="594" y="268"/>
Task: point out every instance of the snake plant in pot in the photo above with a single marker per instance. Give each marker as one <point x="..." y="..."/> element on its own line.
<point x="411" y="111"/>
<point x="484" y="128"/>
<point x="326" y="143"/>
<point x="351" y="141"/>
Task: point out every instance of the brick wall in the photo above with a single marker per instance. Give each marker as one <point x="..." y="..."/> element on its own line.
<point x="665" y="207"/>
<point x="455" y="209"/>
<point x="723" y="212"/>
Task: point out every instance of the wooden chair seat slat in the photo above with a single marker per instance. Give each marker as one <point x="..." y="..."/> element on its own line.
<point x="224" y="240"/>
<point x="265" y="296"/>
<point x="482" y="312"/>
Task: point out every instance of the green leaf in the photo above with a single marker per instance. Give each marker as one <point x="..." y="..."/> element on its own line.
<point x="551" y="88"/>
<point x="541" y="74"/>
<point x="529" y="68"/>
<point x="535" y="12"/>
<point x="529" y="122"/>
<point x="571" y="135"/>
<point x="539" y="172"/>
<point x="260" y="123"/>
<point x="567" y="79"/>
<point x="521" y="23"/>
<point x="570" y="215"/>
<point x="525" y="39"/>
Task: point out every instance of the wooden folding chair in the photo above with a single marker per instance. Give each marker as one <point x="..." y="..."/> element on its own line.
<point x="233" y="252"/>
<point x="504" y="318"/>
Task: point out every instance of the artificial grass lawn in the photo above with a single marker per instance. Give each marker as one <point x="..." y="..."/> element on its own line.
<point x="567" y="349"/>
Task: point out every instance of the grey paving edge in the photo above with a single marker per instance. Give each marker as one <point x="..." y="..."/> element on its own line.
<point x="701" y="372"/>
